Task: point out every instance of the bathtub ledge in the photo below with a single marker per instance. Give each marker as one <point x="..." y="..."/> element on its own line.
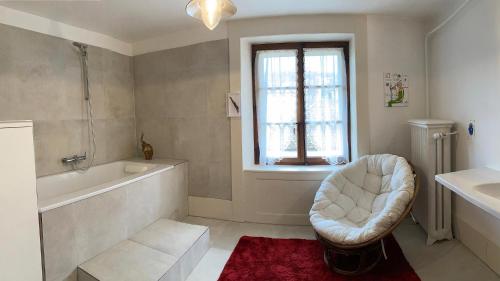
<point x="77" y="196"/>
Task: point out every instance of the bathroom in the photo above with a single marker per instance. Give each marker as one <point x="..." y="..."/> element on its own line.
<point x="90" y="89"/>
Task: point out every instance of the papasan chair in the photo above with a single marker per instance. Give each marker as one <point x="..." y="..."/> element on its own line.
<point x="359" y="205"/>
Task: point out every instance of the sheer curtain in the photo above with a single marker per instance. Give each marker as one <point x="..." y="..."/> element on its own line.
<point x="325" y="96"/>
<point x="276" y="98"/>
<point x="326" y="104"/>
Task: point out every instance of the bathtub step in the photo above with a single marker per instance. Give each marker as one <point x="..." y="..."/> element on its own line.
<point x="127" y="261"/>
<point x="166" y="250"/>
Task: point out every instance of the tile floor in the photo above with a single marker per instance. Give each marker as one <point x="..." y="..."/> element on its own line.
<point x="443" y="261"/>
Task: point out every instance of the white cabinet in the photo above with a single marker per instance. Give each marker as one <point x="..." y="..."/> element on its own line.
<point x="20" y="254"/>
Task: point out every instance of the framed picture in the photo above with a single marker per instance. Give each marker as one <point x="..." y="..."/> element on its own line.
<point x="233" y="101"/>
<point x="396" y="90"/>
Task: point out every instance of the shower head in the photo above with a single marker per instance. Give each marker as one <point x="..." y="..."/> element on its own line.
<point x="79" y="45"/>
<point x="82" y="47"/>
<point x="83" y="58"/>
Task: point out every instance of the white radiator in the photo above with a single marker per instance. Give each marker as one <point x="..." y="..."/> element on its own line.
<point x="431" y="155"/>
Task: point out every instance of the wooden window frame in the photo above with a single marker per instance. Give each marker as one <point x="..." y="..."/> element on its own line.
<point x="302" y="158"/>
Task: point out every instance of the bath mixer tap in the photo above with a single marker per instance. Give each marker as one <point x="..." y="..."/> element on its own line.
<point x="74" y="159"/>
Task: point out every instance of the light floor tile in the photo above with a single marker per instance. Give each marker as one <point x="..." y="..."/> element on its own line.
<point x="443" y="261"/>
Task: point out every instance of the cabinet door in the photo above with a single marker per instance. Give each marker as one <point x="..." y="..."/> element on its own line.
<point x="20" y="253"/>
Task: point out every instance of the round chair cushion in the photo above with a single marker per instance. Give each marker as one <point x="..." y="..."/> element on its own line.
<point x="362" y="200"/>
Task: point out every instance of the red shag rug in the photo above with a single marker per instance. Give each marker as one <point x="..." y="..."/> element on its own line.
<point x="267" y="259"/>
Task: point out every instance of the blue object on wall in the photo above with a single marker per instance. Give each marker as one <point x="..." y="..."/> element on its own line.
<point x="471" y="129"/>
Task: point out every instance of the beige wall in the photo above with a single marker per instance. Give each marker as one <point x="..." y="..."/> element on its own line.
<point x="377" y="42"/>
<point x="465" y="85"/>
<point x="179" y="96"/>
<point x="40" y="80"/>
<point x="465" y="67"/>
<point x="394" y="45"/>
<point x="180" y="101"/>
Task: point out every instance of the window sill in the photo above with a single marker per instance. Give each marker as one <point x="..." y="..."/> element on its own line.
<point x="292" y="169"/>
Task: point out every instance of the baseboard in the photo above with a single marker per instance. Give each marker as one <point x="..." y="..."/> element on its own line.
<point x="210" y="208"/>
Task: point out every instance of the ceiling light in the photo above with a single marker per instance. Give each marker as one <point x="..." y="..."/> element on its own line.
<point x="211" y="11"/>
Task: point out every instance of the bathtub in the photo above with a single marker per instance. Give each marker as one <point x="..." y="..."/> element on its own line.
<point x="62" y="189"/>
<point x="82" y="214"/>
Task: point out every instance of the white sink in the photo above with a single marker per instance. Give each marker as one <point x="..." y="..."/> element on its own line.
<point x="490" y="189"/>
<point x="480" y="187"/>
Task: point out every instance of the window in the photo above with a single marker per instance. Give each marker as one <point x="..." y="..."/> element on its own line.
<point x="301" y="103"/>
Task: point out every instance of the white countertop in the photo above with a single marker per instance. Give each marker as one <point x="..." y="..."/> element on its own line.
<point x="479" y="186"/>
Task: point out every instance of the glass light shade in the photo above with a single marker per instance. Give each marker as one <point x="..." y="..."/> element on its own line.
<point x="211" y="12"/>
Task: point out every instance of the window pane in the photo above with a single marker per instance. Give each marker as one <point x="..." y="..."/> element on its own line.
<point x="325" y="103"/>
<point x="276" y="76"/>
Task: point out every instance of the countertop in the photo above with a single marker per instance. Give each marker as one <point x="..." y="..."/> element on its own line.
<point x="479" y="186"/>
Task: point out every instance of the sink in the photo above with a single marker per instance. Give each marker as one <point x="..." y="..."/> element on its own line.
<point x="490" y="189"/>
<point x="481" y="187"/>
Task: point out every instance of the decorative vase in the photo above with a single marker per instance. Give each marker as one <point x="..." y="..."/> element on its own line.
<point x="147" y="149"/>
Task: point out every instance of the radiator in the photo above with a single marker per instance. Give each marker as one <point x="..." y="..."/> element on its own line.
<point x="431" y="155"/>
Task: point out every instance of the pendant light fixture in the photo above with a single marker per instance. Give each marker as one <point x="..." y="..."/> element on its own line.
<point x="210" y="11"/>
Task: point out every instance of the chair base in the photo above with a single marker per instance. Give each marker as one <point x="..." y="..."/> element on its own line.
<point x="352" y="262"/>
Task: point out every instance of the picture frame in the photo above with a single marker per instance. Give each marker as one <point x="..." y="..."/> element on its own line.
<point x="396" y="90"/>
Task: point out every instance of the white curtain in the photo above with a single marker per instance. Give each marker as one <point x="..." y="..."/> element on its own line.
<point x="276" y="104"/>
<point x="326" y="104"/>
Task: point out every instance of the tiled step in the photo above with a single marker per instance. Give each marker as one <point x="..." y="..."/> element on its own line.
<point x="127" y="261"/>
<point x="187" y="242"/>
<point x="166" y="250"/>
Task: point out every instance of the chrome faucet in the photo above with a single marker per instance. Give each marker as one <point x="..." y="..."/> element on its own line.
<point x="74" y="159"/>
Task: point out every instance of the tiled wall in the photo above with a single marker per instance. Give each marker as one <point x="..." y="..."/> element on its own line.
<point x="40" y="80"/>
<point x="180" y="107"/>
<point x="179" y="104"/>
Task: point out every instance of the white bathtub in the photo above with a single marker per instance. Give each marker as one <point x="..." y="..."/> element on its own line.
<point x="84" y="214"/>
<point x="63" y="189"/>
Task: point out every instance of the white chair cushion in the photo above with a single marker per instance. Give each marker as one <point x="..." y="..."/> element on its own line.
<point x="365" y="198"/>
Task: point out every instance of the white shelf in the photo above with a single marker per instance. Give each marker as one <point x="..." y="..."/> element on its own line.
<point x="16" y="124"/>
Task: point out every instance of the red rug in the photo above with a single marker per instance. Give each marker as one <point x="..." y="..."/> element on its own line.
<point x="267" y="259"/>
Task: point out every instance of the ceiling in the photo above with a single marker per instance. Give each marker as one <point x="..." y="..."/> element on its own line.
<point x="136" y="20"/>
